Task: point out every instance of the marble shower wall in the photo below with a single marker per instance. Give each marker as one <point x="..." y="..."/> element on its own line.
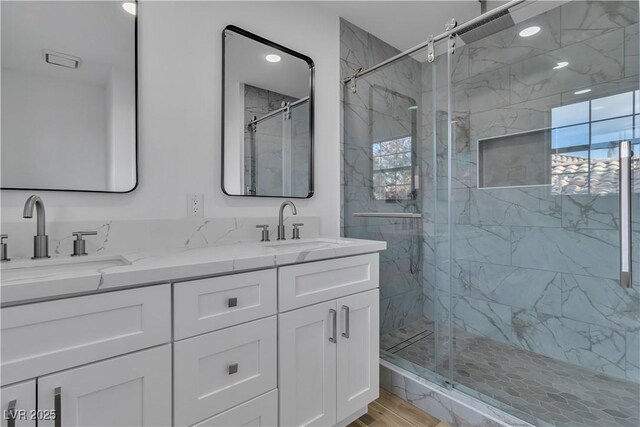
<point x="379" y="111"/>
<point x="533" y="269"/>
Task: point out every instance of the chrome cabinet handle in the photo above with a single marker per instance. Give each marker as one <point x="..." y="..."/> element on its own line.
<point x="11" y="414"/>
<point x="345" y="334"/>
<point x="57" y="404"/>
<point x="334" y="327"/>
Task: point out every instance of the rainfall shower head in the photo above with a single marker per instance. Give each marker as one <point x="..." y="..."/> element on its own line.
<point x="491" y="25"/>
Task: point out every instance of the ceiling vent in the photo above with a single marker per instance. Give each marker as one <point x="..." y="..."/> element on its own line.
<point x="61" y="59"/>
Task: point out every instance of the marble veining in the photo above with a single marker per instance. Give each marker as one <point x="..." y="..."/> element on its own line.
<point x="128" y="236"/>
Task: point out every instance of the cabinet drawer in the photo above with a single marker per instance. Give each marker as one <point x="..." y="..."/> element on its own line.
<point x="260" y="412"/>
<point x="305" y="284"/>
<point x="209" y="304"/>
<point x="23" y="396"/>
<point x="50" y="336"/>
<point x="218" y="370"/>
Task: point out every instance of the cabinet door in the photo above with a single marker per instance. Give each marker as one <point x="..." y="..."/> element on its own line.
<point x="307" y="366"/>
<point x="22" y="398"/>
<point x="131" y="390"/>
<point x="358" y="354"/>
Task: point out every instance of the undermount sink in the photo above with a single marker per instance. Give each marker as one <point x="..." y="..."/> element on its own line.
<point x="307" y="243"/>
<point x="35" y="268"/>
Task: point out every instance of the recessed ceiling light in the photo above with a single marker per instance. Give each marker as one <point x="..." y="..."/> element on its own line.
<point x="273" y="58"/>
<point x="561" y="65"/>
<point x="530" y="31"/>
<point x="130" y="7"/>
<point x="580" y="92"/>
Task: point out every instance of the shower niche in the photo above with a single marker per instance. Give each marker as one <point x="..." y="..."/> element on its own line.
<point x="515" y="160"/>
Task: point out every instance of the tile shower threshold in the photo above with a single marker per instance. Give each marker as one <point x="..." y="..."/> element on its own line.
<point x="456" y="408"/>
<point x="533" y="387"/>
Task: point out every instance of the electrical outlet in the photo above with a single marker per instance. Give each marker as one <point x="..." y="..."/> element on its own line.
<point x="195" y="205"/>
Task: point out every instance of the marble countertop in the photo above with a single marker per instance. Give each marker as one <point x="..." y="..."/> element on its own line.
<point x="33" y="280"/>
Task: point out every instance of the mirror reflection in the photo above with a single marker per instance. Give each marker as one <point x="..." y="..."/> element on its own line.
<point x="268" y="130"/>
<point x="69" y="95"/>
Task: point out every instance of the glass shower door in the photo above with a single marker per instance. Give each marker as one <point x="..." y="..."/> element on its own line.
<point x="540" y="182"/>
<point x="389" y="175"/>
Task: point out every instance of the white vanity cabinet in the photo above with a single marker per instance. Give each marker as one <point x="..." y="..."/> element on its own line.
<point x="289" y="345"/>
<point x="328" y="351"/>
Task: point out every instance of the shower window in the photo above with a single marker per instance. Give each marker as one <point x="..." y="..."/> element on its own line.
<point x="585" y="138"/>
<point x="392" y="169"/>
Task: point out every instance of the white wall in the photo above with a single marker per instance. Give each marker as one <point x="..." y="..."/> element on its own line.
<point x="179" y="72"/>
<point x="122" y="116"/>
<point x="35" y="125"/>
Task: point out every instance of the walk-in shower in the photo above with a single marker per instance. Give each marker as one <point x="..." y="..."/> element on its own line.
<point x="499" y="160"/>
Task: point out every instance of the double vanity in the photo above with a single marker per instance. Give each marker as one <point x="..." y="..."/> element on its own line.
<point x="266" y="333"/>
<point x="178" y="326"/>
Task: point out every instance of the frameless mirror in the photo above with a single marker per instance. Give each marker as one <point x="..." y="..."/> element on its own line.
<point x="69" y="95"/>
<point x="267" y="111"/>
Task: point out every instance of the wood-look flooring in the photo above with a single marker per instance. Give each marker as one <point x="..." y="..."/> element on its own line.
<point x="391" y="411"/>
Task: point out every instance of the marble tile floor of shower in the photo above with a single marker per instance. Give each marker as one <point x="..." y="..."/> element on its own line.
<point x="556" y="392"/>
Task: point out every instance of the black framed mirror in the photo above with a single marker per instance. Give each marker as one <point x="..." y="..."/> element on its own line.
<point x="267" y="118"/>
<point x="69" y="96"/>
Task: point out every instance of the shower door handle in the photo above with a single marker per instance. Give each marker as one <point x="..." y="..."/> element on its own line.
<point x="625" y="214"/>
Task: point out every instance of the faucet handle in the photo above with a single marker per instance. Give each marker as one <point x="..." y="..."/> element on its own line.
<point x="3" y="247"/>
<point x="79" y="243"/>
<point x="80" y="234"/>
<point x="265" y="232"/>
<point x="296" y="230"/>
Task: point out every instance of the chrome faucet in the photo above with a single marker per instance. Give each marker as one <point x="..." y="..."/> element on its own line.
<point x="281" y="217"/>
<point x="40" y="240"/>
